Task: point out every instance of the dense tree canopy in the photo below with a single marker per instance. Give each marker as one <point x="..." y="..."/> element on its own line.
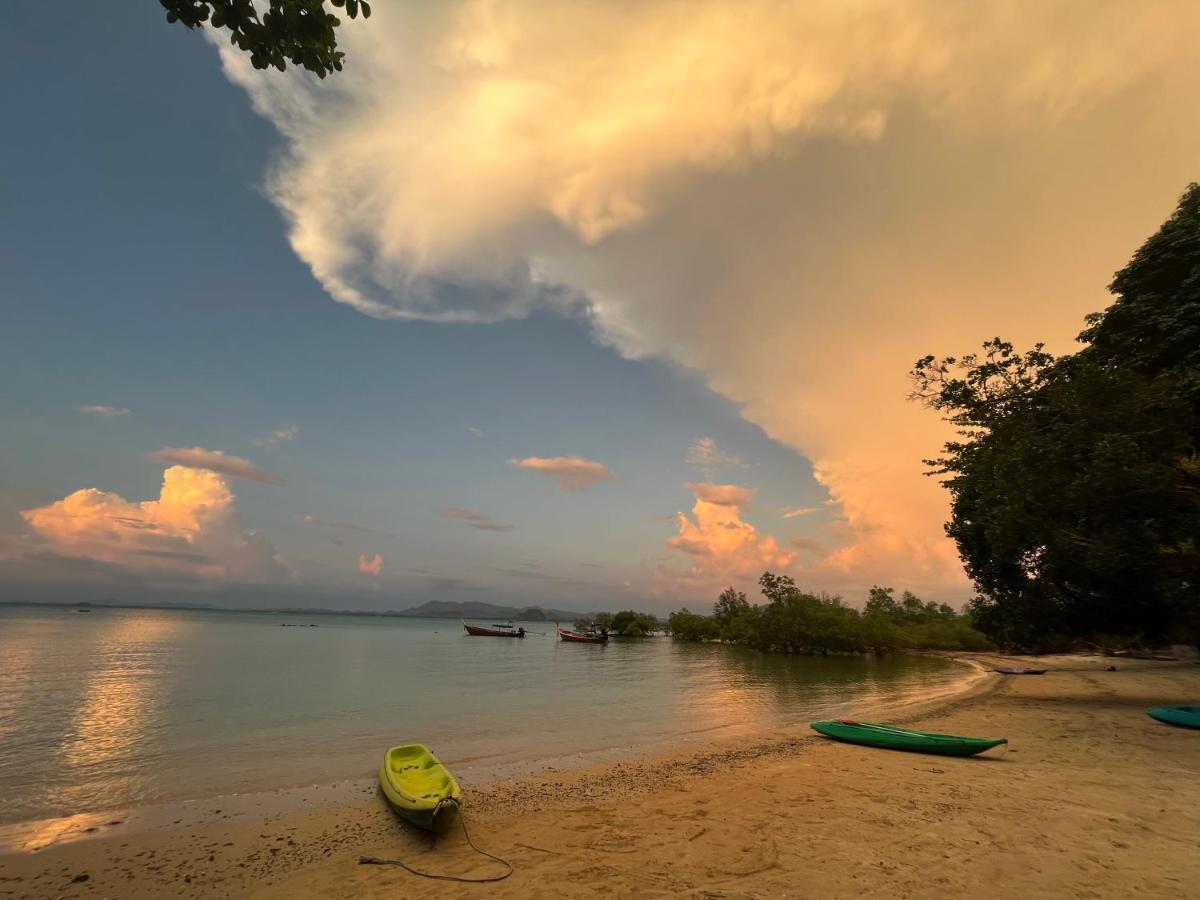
<point x="792" y="621"/>
<point x="627" y="622"/>
<point x="298" y="31"/>
<point x="1075" y="483"/>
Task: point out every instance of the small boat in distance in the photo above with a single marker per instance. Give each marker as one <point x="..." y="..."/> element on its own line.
<point x="1007" y="670"/>
<point x="500" y="629"/>
<point x="593" y="635"/>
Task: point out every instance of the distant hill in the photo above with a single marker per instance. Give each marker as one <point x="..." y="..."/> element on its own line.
<point x="441" y="609"/>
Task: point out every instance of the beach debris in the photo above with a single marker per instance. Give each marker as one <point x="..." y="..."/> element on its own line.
<point x="80" y="878"/>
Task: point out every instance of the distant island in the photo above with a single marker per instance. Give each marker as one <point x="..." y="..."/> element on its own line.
<point x="434" y="609"/>
<point x="441" y="609"/>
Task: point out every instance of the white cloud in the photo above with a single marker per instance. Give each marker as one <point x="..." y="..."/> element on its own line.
<point x="103" y="412"/>
<point x="573" y="473"/>
<point x="214" y="461"/>
<point x="793" y="512"/>
<point x="796" y="201"/>
<point x="276" y="437"/>
<point x="475" y="432"/>
<point x="193" y="529"/>
<point x="705" y="455"/>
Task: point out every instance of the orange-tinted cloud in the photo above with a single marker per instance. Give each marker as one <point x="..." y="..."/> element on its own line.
<point x="722" y="494"/>
<point x="193" y="528"/>
<point x="370" y="565"/>
<point x="573" y="473"/>
<point x="794" y="200"/>
<point x="721" y="547"/>
<point x="214" y="461"/>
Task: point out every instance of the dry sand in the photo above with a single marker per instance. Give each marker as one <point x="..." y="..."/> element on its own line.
<point x="1094" y="799"/>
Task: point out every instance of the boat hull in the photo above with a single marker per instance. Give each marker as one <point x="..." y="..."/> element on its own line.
<point x="889" y="737"/>
<point x="1183" y="716"/>
<point x="481" y="631"/>
<point x="574" y="637"/>
<point x="1005" y="670"/>
<point x="418" y="787"/>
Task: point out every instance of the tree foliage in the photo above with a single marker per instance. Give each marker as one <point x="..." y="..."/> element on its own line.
<point x="634" y="624"/>
<point x="298" y="31"/>
<point x="1075" y="482"/>
<point x="627" y="623"/>
<point x="792" y="621"/>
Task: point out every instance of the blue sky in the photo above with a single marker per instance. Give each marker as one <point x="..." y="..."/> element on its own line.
<point x="146" y="270"/>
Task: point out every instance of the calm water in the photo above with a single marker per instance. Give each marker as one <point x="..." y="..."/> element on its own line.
<point x="116" y="708"/>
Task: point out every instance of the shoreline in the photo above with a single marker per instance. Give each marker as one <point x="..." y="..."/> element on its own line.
<point x="1088" y="775"/>
<point x="474" y="773"/>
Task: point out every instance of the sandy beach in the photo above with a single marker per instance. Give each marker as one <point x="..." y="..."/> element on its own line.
<point x="1093" y="799"/>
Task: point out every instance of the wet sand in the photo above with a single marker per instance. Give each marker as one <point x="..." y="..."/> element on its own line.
<point x="1093" y="799"/>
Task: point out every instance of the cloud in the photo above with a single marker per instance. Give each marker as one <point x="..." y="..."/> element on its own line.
<point x="370" y="565"/>
<point x="192" y="529"/>
<point x="103" y="412"/>
<point x="475" y="432"/>
<point x="721" y="548"/>
<point x="793" y="512"/>
<point x="705" y="455"/>
<point x="276" y="437"/>
<point x="573" y="473"/>
<point x="474" y="518"/>
<point x="214" y="461"/>
<point x="794" y="201"/>
<point x="722" y="494"/>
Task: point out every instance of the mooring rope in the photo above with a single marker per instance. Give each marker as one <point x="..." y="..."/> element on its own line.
<point x="376" y="861"/>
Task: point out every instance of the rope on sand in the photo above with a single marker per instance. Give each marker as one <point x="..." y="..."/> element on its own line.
<point x="376" y="861"/>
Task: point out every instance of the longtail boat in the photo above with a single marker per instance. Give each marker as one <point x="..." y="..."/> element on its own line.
<point x="889" y="737"/>
<point x="582" y="637"/>
<point x="497" y="630"/>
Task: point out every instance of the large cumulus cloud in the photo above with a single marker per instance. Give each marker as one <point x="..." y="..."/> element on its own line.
<point x="795" y="199"/>
<point x="192" y="530"/>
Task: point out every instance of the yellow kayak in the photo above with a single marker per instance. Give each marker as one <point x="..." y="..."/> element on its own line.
<point x="417" y="786"/>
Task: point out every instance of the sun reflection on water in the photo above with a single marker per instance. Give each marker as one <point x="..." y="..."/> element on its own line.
<point x="112" y="727"/>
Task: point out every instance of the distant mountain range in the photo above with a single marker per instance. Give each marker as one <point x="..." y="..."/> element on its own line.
<point x="441" y="609"/>
<point x="434" y="609"/>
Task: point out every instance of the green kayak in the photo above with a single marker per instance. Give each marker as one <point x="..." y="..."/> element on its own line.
<point x="1187" y="716"/>
<point x="892" y="738"/>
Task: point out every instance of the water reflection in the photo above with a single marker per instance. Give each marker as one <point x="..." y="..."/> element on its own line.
<point x="735" y="685"/>
<point x="111" y="733"/>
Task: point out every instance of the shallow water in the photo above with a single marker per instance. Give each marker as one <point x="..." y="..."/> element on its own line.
<point x="118" y="708"/>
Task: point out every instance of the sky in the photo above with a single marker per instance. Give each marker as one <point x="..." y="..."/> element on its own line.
<point x="593" y="306"/>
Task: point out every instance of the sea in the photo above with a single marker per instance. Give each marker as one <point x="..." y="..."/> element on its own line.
<point x="114" y="708"/>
